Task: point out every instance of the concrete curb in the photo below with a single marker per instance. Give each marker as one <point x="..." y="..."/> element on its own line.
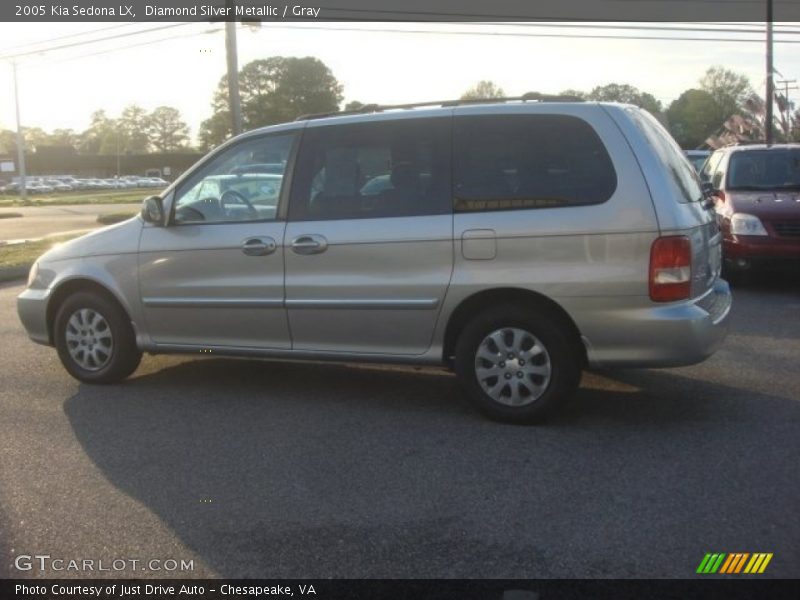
<point x="75" y="232"/>
<point x="14" y="273"/>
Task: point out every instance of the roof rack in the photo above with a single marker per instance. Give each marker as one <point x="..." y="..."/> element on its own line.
<point x="373" y="108"/>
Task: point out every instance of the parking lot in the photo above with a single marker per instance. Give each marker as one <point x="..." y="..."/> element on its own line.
<point x="278" y="469"/>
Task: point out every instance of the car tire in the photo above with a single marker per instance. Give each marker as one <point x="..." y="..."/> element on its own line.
<point x="95" y="339"/>
<point x="517" y="365"/>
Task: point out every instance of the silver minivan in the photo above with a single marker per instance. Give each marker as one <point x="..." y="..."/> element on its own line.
<point x="515" y="242"/>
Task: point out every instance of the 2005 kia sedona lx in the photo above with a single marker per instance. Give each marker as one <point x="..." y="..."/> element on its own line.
<point x="516" y="242"/>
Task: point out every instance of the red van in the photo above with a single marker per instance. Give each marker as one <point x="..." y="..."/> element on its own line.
<point x="756" y="191"/>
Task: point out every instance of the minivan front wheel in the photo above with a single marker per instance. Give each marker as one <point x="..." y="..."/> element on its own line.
<point x="95" y="339"/>
<point x="516" y="364"/>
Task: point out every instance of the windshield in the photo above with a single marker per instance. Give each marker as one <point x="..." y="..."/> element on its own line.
<point x="773" y="168"/>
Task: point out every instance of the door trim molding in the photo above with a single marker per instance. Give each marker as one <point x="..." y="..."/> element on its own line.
<point x="366" y="304"/>
<point x="212" y="303"/>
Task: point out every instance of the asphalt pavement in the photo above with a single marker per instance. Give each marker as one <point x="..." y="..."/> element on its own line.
<point x="40" y="221"/>
<point x="279" y="469"/>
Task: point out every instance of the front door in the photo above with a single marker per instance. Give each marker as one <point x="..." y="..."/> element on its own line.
<point x="214" y="276"/>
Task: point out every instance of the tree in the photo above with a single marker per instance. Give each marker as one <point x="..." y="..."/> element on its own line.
<point x="100" y="134"/>
<point x="34" y="137"/>
<point x="692" y="117"/>
<point x="622" y="92"/>
<point x="133" y="126"/>
<point x="794" y="134"/>
<point x="483" y="90"/>
<point x="8" y="141"/>
<point x="273" y="90"/>
<point x="575" y="93"/>
<point x="729" y="89"/>
<point x="63" y="137"/>
<point x="354" y="105"/>
<point x="166" y="130"/>
<point x="214" y="130"/>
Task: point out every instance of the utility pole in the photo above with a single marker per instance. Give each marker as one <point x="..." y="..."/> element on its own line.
<point x="233" y="70"/>
<point x="23" y="188"/>
<point x="770" y="83"/>
<point x="117" y="131"/>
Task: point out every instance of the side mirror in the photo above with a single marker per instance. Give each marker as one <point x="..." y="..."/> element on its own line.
<point x="709" y="190"/>
<point x="153" y="210"/>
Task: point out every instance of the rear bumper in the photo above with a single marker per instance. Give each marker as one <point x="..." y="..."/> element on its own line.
<point x="672" y="335"/>
<point x="32" y="310"/>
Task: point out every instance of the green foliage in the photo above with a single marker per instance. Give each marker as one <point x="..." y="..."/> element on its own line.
<point x="34" y="137"/>
<point x="8" y="141"/>
<point x="794" y="134"/>
<point x="135" y="132"/>
<point x="483" y="89"/>
<point x="729" y="89"/>
<point x="616" y="92"/>
<point x="99" y="133"/>
<point x="575" y="93"/>
<point x="693" y="117"/>
<point x="117" y="217"/>
<point x="273" y="90"/>
<point x="63" y="137"/>
<point x="166" y="130"/>
<point x="132" y="127"/>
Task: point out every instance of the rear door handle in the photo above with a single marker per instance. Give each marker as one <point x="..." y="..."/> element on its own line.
<point x="259" y="246"/>
<point x="309" y="244"/>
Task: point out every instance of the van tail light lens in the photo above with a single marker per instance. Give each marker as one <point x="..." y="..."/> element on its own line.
<point x="670" y="269"/>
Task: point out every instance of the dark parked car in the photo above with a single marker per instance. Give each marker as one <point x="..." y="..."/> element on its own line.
<point x="756" y="191"/>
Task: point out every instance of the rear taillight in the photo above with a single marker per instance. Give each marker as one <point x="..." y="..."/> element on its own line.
<point x="670" y="269"/>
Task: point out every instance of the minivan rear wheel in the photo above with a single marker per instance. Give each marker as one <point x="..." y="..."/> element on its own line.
<point x="516" y="364"/>
<point x="95" y="339"/>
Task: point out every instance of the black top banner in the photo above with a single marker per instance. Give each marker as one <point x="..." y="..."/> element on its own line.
<point x="397" y="10"/>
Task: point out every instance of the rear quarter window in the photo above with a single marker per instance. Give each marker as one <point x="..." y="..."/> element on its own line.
<point x="681" y="171"/>
<point x="508" y="162"/>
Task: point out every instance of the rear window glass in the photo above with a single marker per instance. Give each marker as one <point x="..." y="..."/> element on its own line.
<point x="774" y="168"/>
<point x="681" y="171"/>
<point x="506" y="162"/>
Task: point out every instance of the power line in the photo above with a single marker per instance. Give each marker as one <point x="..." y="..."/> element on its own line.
<point x="64" y="37"/>
<point x="606" y="26"/>
<point x="94" y="41"/>
<point x="489" y="17"/>
<point x="644" y="27"/>
<point x="529" y="35"/>
<point x="129" y="46"/>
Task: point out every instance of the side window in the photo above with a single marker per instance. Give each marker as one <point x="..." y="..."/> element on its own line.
<point x="373" y="170"/>
<point x="507" y="162"/>
<point x="710" y="166"/>
<point x="242" y="183"/>
<point x="718" y="172"/>
<point x="716" y="181"/>
<point x="684" y="177"/>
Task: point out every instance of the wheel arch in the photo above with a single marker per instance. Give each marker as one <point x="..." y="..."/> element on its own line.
<point x="480" y="301"/>
<point x="72" y="286"/>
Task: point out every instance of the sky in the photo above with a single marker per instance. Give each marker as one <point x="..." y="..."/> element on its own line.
<point x="181" y="66"/>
